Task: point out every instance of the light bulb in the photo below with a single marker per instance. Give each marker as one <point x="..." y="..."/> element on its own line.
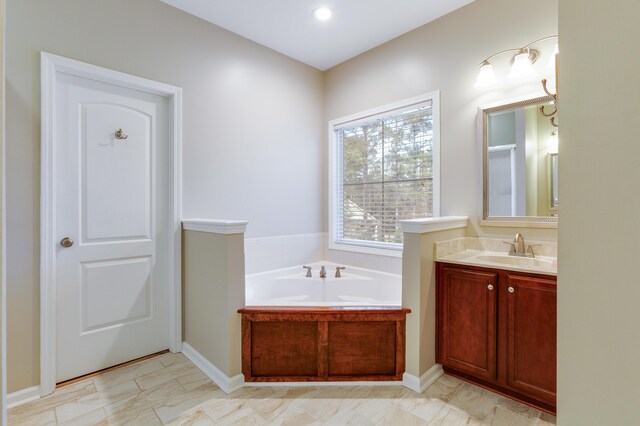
<point x="322" y="13"/>
<point x="521" y="66"/>
<point x="486" y="76"/>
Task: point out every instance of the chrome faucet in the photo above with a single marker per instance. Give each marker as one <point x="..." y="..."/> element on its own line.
<point x="323" y="272"/>
<point x="338" y="271"/>
<point x="308" y="268"/>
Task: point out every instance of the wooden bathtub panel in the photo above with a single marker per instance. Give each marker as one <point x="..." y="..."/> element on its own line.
<point x="285" y="344"/>
<point x="362" y="348"/>
<point x="284" y="348"/>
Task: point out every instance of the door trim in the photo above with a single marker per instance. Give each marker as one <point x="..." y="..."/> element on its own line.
<point x="51" y="65"/>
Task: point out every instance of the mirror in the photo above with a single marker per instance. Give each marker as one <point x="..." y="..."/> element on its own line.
<point x="520" y="156"/>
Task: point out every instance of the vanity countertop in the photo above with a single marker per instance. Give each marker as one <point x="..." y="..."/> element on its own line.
<point x="492" y="253"/>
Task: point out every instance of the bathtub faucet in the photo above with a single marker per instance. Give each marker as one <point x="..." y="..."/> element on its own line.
<point x="323" y="272"/>
<point x="338" y="271"/>
<point x="308" y="268"/>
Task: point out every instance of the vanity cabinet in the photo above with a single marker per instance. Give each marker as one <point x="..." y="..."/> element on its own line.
<point x="531" y="336"/>
<point x="468" y="326"/>
<point x="497" y="329"/>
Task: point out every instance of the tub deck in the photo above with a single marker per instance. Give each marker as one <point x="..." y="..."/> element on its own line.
<point x="303" y="344"/>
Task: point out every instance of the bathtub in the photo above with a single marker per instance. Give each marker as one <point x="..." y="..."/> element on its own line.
<point x="358" y="287"/>
<point x="299" y="329"/>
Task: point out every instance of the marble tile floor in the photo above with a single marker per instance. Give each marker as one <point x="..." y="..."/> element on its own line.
<point x="169" y="389"/>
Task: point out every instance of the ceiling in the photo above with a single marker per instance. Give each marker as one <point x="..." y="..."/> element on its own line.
<point x="288" y="26"/>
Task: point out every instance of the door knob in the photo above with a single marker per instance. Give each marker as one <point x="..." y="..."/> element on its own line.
<point x="490" y="287"/>
<point x="511" y="289"/>
<point x="66" y="242"/>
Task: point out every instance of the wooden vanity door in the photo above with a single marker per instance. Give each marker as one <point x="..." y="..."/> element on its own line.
<point x="467" y="321"/>
<point x="531" y="336"/>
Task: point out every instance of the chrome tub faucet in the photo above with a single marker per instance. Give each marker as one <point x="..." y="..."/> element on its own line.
<point x="323" y="272"/>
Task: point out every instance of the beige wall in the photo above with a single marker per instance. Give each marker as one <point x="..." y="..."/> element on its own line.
<point x="444" y="55"/>
<point x="598" y="289"/>
<point x="241" y="145"/>
<point x="418" y="294"/>
<point x="213" y="291"/>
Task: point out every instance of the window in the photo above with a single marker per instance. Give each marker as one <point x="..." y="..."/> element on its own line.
<point x="384" y="169"/>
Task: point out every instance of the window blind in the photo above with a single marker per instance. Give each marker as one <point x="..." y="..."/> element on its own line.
<point x="384" y="175"/>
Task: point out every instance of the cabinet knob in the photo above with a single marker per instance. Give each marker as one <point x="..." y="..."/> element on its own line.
<point x="511" y="289"/>
<point x="490" y="286"/>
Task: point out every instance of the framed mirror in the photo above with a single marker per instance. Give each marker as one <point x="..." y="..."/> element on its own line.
<point x="520" y="164"/>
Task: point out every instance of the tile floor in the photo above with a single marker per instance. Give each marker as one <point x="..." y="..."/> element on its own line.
<point x="169" y="389"/>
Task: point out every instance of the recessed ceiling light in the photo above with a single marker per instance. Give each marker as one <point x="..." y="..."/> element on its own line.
<point x="322" y="13"/>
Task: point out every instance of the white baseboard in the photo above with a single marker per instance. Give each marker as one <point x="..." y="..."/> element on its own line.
<point x="227" y="384"/>
<point x="410" y="381"/>
<point x="230" y="384"/>
<point x="421" y="384"/>
<point x="23" y="396"/>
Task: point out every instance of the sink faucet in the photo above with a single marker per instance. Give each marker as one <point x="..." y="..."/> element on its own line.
<point x="338" y="268"/>
<point x="517" y="246"/>
<point x="323" y="272"/>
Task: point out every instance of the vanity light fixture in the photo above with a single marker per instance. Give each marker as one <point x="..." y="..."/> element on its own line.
<point x="322" y="13"/>
<point x="521" y="64"/>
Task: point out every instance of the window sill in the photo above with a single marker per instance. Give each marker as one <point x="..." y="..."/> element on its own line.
<point x="379" y="251"/>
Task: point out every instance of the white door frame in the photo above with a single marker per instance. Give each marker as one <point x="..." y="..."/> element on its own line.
<point x="51" y="65"/>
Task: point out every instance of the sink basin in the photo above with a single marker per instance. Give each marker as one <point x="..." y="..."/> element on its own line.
<point x="515" y="261"/>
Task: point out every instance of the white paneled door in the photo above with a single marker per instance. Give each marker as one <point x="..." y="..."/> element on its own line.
<point x="112" y="225"/>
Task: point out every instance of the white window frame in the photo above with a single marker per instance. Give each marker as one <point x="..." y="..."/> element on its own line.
<point x="360" y="246"/>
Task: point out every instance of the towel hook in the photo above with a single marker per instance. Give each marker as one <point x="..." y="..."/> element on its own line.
<point x="120" y="134"/>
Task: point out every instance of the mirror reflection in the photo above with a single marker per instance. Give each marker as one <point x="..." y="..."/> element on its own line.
<point x="520" y="161"/>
